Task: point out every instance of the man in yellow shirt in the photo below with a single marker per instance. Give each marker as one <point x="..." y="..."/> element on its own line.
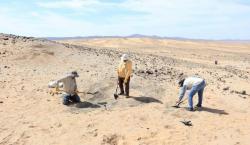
<point x="124" y="71"/>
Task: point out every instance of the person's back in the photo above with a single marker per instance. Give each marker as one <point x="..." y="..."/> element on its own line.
<point x="192" y="81"/>
<point x="69" y="84"/>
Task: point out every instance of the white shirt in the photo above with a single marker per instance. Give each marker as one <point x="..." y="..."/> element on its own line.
<point x="192" y="81"/>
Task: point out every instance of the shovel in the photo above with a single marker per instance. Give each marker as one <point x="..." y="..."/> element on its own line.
<point x="115" y="94"/>
<point x="178" y="104"/>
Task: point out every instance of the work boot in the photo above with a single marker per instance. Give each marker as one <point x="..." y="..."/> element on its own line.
<point x="127" y="96"/>
<point x="197" y="107"/>
<point x="190" y="109"/>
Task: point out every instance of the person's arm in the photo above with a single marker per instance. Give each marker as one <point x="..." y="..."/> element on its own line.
<point x="129" y="71"/>
<point x="182" y="92"/>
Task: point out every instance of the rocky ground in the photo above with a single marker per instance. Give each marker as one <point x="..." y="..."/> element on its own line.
<point x="31" y="115"/>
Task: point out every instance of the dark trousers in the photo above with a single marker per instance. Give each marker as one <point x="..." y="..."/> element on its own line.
<point x="67" y="98"/>
<point x="121" y="81"/>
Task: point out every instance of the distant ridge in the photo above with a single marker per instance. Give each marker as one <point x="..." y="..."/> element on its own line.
<point x="130" y="36"/>
<point x="140" y="36"/>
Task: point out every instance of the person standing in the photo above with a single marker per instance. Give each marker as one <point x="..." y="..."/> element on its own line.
<point x="124" y="72"/>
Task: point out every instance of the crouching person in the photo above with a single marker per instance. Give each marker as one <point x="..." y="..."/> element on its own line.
<point x="69" y="88"/>
<point x="194" y="84"/>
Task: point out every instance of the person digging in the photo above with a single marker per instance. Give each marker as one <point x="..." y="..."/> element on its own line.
<point x="195" y="85"/>
<point x="124" y="71"/>
<point x="69" y="88"/>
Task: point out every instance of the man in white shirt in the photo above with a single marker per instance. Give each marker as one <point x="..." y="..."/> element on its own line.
<point x="194" y="84"/>
<point x="69" y="88"/>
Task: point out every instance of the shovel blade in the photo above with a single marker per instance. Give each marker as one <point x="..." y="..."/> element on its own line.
<point x="176" y="106"/>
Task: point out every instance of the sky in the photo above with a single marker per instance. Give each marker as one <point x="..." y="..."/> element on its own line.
<point x="198" y="19"/>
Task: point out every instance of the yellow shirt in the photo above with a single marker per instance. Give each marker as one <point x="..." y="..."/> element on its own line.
<point x="125" y="69"/>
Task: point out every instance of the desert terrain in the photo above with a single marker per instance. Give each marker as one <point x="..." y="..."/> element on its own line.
<point x="30" y="115"/>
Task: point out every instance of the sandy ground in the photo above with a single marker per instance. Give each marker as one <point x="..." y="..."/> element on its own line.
<point x="30" y="115"/>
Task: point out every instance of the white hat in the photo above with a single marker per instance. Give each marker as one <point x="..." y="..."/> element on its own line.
<point x="124" y="57"/>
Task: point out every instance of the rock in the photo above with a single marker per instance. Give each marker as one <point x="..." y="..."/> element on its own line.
<point x="240" y="92"/>
<point x="243" y="92"/>
<point x="215" y="62"/>
<point x="5" y="66"/>
<point x="1" y="101"/>
<point x="149" y="72"/>
<point x="226" y="88"/>
<point x="5" y="38"/>
<point x="141" y="71"/>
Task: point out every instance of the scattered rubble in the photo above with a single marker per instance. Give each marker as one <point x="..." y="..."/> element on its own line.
<point x="243" y="92"/>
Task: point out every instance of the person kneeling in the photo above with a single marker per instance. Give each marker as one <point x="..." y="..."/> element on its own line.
<point x="69" y="88"/>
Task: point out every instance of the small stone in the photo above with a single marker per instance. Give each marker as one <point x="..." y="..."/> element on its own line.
<point x="1" y="101"/>
<point x="226" y="88"/>
<point x="141" y="71"/>
<point x="149" y="72"/>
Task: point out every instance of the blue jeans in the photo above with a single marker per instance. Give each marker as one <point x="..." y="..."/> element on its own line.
<point x="67" y="98"/>
<point x="197" y="88"/>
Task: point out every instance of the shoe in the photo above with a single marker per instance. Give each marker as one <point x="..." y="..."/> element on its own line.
<point x="121" y="94"/>
<point x="127" y="96"/>
<point x="190" y="109"/>
<point x="197" y="107"/>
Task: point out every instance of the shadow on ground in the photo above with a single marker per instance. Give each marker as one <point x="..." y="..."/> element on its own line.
<point x="86" y="104"/>
<point x="216" y="111"/>
<point x="144" y="99"/>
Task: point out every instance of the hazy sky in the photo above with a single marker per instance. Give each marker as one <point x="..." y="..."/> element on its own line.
<point x="203" y="19"/>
